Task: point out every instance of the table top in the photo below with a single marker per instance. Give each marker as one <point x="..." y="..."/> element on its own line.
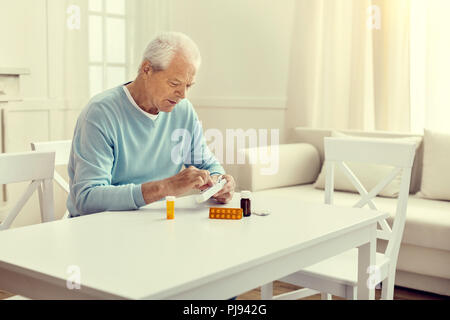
<point x="142" y="255"/>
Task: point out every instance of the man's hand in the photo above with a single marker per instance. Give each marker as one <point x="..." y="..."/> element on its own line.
<point x="190" y="178"/>
<point x="226" y="194"/>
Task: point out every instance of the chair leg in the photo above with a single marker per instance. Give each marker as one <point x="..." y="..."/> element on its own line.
<point x="47" y="213"/>
<point x="325" y="296"/>
<point x="267" y="291"/>
<point x="41" y="201"/>
<point x="387" y="287"/>
<point x="350" y="293"/>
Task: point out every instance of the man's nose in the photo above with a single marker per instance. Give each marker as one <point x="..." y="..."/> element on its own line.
<point x="181" y="93"/>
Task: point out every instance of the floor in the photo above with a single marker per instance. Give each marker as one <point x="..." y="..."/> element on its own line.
<point x="399" y="293"/>
<point x="280" y="287"/>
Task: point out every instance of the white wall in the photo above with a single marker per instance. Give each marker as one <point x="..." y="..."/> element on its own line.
<point x="41" y="115"/>
<point x="25" y="43"/>
<point x="244" y="44"/>
<point x="23" y="37"/>
<point x="245" y="47"/>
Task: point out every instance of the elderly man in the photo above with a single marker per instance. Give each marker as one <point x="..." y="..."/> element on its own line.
<point x="125" y="153"/>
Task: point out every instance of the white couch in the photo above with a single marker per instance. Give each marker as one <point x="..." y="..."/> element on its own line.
<point x="424" y="258"/>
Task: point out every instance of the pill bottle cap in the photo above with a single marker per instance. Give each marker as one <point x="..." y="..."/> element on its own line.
<point x="170" y="198"/>
<point x="245" y="194"/>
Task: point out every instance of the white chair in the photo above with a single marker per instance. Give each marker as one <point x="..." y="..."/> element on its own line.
<point x="339" y="275"/>
<point x="37" y="167"/>
<point x="62" y="151"/>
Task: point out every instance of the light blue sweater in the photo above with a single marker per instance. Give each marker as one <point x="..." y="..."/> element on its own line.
<point x="116" y="148"/>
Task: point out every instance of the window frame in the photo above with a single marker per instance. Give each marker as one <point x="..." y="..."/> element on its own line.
<point x="104" y="64"/>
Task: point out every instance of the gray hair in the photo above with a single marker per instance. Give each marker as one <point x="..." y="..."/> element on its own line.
<point x="161" y="50"/>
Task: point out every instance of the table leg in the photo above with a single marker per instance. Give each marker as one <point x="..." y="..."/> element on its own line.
<point x="366" y="259"/>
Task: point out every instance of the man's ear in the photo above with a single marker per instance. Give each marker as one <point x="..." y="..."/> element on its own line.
<point x="146" y="68"/>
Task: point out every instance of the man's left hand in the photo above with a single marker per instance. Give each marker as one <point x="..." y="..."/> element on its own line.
<point x="226" y="194"/>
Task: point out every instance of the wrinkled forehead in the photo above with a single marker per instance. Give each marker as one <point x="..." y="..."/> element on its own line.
<point x="181" y="68"/>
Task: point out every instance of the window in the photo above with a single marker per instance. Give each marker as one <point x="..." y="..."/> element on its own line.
<point x="107" y="44"/>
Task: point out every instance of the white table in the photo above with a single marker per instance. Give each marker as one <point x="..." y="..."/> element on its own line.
<point x="141" y="255"/>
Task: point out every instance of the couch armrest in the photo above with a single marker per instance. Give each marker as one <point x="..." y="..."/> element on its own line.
<point x="279" y="166"/>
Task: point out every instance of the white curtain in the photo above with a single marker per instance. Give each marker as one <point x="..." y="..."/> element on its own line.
<point x="350" y="65"/>
<point x="430" y="65"/>
<point x="145" y="19"/>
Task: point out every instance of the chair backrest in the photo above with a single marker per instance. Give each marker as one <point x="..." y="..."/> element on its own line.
<point x="399" y="155"/>
<point x="62" y="154"/>
<point x="37" y="167"/>
<point x="315" y="136"/>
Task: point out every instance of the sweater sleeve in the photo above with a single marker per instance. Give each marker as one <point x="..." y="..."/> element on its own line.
<point x="91" y="189"/>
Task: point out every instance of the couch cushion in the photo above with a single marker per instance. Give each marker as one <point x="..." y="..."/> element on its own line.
<point x="293" y="164"/>
<point x="436" y="167"/>
<point x="424" y="283"/>
<point x="427" y="261"/>
<point x="427" y="221"/>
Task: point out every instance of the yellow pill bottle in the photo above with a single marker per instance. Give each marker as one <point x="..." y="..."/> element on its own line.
<point x="170" y="207"/>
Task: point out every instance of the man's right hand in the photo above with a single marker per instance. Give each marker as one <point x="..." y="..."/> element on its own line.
<point x="184" y="181"/>
<point x="189" y="178"/>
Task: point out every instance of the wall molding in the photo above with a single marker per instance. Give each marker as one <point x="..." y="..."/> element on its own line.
<point x="214" y="102"/>
<point x="240" y="102"/>
<point x="41" y="104"/>
<point x="14" y="71"/>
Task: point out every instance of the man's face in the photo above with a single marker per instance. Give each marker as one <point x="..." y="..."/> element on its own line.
<point x="166" y="88"/>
